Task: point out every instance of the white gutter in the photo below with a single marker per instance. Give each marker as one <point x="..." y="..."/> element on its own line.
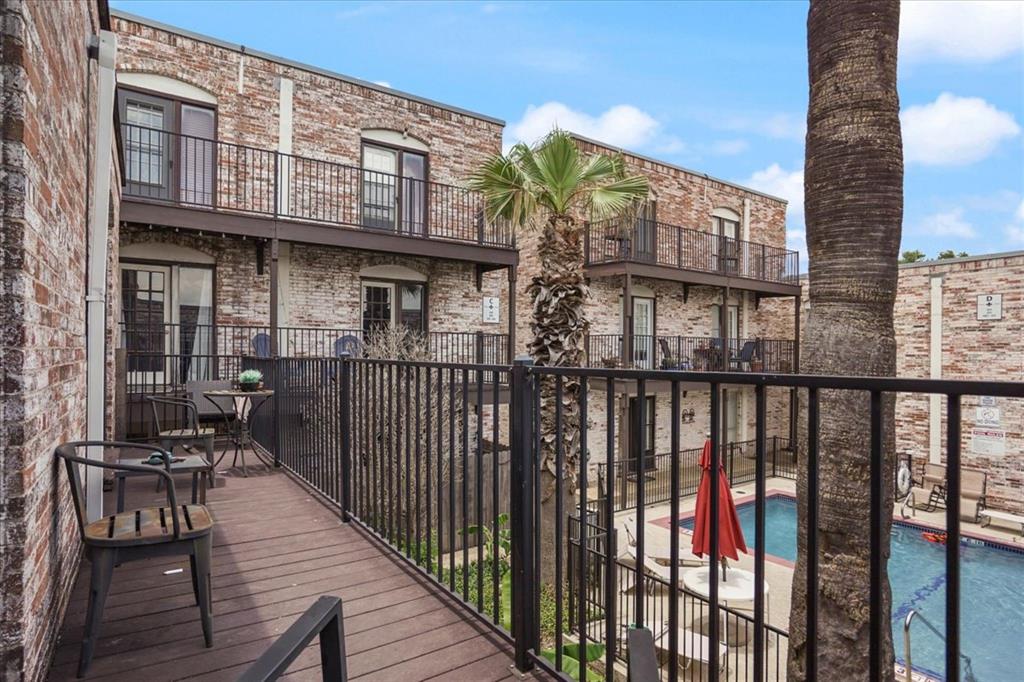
<point x="96" y="298"/>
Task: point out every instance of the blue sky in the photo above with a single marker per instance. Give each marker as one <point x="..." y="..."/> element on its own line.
<point x="719" y="87"/>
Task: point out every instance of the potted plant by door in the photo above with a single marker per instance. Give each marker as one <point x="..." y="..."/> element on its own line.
<point x="755" y="364"/>
<point x="250" y="380"/>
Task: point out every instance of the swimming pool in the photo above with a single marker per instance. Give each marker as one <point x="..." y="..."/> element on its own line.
<point x="991" y="590"/>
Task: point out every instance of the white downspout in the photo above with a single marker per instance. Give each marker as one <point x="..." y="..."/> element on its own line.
<point x="95" y="299"/>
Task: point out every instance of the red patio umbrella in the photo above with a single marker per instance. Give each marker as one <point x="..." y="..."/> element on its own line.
<point x="730" y="534"/>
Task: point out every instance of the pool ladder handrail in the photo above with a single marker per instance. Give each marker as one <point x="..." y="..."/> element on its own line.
<point x="968" y="672"/>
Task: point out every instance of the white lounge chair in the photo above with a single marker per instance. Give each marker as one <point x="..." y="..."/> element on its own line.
<point x="693" y="646"/>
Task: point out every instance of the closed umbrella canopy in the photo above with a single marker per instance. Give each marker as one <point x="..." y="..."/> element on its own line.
<point x="730" y="535"/>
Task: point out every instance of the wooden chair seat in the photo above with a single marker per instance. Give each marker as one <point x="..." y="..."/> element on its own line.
<point x="148" y="526"/>
<point x="189" y="434"/>
<point x="140" y="534"/>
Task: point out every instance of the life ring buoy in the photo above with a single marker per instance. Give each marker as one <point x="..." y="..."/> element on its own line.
<point x="937" y="538"/>
<point x="903" y="480"/>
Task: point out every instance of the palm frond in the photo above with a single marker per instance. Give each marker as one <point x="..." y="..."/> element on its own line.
<point x="615" y="198"/>
<point x="506" y="190"/>
<point x="555" y="177"/>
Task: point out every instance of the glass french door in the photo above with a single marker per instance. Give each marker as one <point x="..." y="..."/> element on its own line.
<point x="196" y="149"/>
<point x="726" y="247"/>
<point x="169" y="148"/>
<point x="394" y="189"/>
<point x="648" y="428"/>
<point x="167" y="324"/>
<point x="414" y="193"/>
<point x="148" y="145"/>
<point x="643" y="332"/>
<point x="146" y="330"/>
<point x="387" y="304"/>
<point x="380" y="188"/>
<point x="378" y="306"/>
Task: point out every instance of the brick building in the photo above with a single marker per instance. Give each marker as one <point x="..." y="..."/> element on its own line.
<point x="59" y="183"/>
<point x="258" y="206"/>
<point x="274" y="207"/>
<point x="701" y="280"/>
<point x="962" y="319"/>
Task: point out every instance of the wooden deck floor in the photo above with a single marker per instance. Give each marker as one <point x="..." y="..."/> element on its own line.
<point x="276" y="549"/>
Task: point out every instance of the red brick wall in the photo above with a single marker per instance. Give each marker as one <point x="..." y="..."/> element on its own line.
<point x="47" y="134"/>
<point x="328" y="113"/>
<point x="971" y="349"/>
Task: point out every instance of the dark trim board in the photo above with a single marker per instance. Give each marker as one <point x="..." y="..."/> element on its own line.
<point x="266" y="227"/>
<point x="620" y="268"/>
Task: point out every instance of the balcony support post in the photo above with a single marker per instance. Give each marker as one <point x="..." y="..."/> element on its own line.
<point x="512" y="289"/>
<point x="794" y="397"/>
<point x="274" y="293"/>
<point x="627" y="321"/>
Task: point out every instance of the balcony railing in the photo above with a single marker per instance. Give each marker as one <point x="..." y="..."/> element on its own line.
<point x="213" y="174"/>
<point x="698" y="353"/>
<point x="161" y="358"/>
<point x="654" y="243"/>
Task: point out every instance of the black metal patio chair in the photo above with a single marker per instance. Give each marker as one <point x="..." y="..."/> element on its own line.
<point x="138" y="534"/>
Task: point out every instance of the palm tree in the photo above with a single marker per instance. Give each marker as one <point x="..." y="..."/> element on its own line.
<point x="551" y="187"/>
<point x="853" y="185"/>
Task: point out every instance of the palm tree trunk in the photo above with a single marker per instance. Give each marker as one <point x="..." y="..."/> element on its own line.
<point x="559" y="328"/>
<point x="854" y="209"/>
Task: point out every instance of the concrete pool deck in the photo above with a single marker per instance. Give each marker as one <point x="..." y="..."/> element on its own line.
<point x="779" y="572"/>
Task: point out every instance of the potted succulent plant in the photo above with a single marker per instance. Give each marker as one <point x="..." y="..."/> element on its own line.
<point x="250" y="380"/>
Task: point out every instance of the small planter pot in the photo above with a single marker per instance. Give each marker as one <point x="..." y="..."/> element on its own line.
<point x="249" y="386"/>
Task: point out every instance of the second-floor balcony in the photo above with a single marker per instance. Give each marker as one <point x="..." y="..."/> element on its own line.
<point x="303" y="195"/>
<point x="693" y="353"/>
<point x="709" y="258"/>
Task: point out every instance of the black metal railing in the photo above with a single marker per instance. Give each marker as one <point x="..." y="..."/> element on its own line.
<point x="164" y="358"/>
<point x="485" y="497"/>
<point x="218" y="175"/>
<point x="697" y="353"/>
<point x="323" y="620"/>
<point x="738" y="458"/>
<point x="654" y="243"/>
<point x="416" y="453"/>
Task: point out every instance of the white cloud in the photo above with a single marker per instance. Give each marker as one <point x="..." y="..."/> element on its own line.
<point x="385" y="84"/>
<point x="622" y="125"/>
<point x="1015" y="230"/>
<point x="949" y="223"/>
<point x="963" y="31"/>
<point x="779" y="182"/>
<point x="788" y="185"/>
<point x="954" y="131"/>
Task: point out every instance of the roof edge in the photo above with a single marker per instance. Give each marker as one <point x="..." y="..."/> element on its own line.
<point x="153" y="23"/>
<point x="677" y="167"/>
<point x="964" y="259"/>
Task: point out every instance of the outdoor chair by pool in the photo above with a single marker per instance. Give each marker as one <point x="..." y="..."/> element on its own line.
<point x="972" y="494"/>
<point x="693" y="647"/>
<point x="138" y="534"/>
<point x="930" y="491"/>
<point x="261" y="345"/>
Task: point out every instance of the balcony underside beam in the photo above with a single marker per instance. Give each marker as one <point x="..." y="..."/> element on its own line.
<point x="620" y="268"/>
<point x="354" y="237"/>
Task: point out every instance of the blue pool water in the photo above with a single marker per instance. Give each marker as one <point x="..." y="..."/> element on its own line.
<point x="992" y="592"/>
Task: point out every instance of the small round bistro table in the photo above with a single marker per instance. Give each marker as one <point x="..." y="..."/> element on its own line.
<point x="246" y="404"/>
<point x="738" y="586"/>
